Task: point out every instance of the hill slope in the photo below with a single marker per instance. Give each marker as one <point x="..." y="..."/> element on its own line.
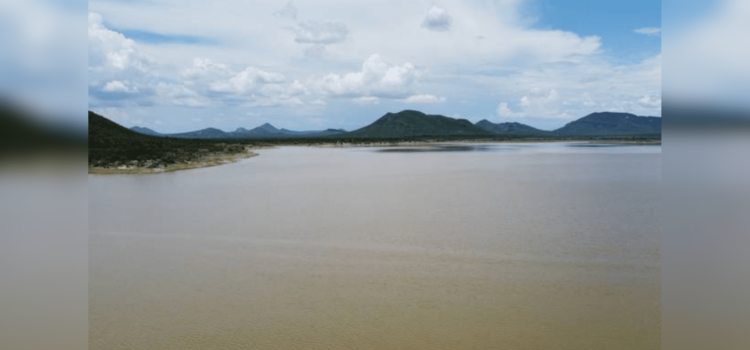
<point x="411" y="123"/>
<point x="112" y="145"/>
<point x="611" y="124"/>
<point x="145" y="131"/>
<point x="510" y="128"/>
<point x="104" y="133"/>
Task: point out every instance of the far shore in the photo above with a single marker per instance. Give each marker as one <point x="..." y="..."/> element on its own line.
<point x="402" y="143"/>
<point x="204" y="162"/>
<point x="221" y="159"/>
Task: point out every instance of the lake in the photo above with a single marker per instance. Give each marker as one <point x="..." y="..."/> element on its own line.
<point x="447" y="246"/>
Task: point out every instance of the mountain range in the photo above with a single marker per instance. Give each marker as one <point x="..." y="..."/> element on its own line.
<point x="264" y="131"/>
<point x="411" y="123"/>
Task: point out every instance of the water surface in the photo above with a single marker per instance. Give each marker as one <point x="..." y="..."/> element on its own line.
<point x="452" y="246"/>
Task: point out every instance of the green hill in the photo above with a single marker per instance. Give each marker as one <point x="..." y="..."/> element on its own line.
<point x="611" y="124"/>
<point x="113" y="145"/>
<point x="411" y="123"/>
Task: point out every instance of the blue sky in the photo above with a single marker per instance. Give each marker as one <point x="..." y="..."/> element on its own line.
<point x="613" y="21"/>
<point x="151" y="38"/>
<point x="184" y="65"/>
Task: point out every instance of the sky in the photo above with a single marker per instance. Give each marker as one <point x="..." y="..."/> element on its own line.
<point x="184" y="65"/>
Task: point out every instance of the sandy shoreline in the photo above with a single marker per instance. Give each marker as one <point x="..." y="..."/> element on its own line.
<point x="209" y="161"/>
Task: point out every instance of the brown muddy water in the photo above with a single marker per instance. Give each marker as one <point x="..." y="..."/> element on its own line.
<point x="454" y="246"/>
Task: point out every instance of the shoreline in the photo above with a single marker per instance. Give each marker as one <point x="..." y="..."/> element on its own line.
<point x="645" y="142"/>
<point x="222" y="159"/>
<point x="204" y="162"/>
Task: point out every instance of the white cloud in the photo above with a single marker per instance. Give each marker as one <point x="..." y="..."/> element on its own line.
<point x="251" y="86"/>
<point x="392" y="31"/>
<point x="180" y="95"/>
<point x="423" y="99"/>
<point x="536" y="103"/>
<point x="289" y="11"/>
<point x="314" y="32"/>
<point x="651" y="31"/>
<point x="116" y="66"/>
<point x="204" y="70"/>
<point x="504" y="111"/>
<point x="378" y="78"/>
<point x="437" y="19"/>
<point x="251" y="79"/>
<point x="119" y="71"/>
<point x="572" y="90"/>
<point x="119" y="86"/>
<point x="110" y="51"/>
<point x="366" y="100"/>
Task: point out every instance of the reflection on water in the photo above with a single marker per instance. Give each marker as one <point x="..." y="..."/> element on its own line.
<point x="514" y="147"/>
<point x="440" y="148"/>
<point x="519" y="246"/>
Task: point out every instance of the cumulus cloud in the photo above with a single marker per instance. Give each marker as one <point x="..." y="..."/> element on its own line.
<point x="250" y="79"/>
<point x="180" y="95"/>
<point x="251" y="86"/>
<point x="437" y="19"/>
<point x="117" y="68"/>
<point x="377" y="78"/>
<point x="111" y="51"/>
<point x="423" y="99"/>
<point x="563" y="91"/>
<point x="314" y="32"/>
<point x="504" y="111"/>
<point x="289" y="11"/>
<point x="651" y="31"/>
<point x="536" y="103"/>
<point x="120" y="74"/>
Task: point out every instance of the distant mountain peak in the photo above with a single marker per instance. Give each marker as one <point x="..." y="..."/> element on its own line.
<point x="269" y="127"/>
